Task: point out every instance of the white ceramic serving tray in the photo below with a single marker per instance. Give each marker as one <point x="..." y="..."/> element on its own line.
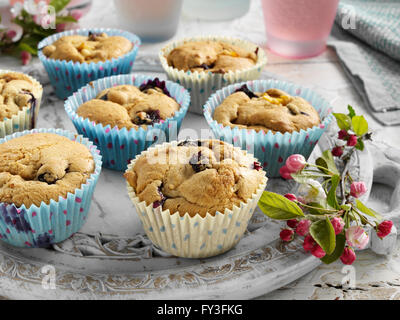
<point x="111" y="258"/>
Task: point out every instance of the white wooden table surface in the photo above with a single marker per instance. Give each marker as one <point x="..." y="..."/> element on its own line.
<point x="377" y="277"/>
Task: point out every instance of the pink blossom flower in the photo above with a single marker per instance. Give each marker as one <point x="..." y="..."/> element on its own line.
<point x="357" y="237"/>
<point x="348" y="256"/>
<point x="357" y="189"/>
<point x="317" y="251"/>
<point x="337" y="151"/>
<point x="10" y="34"/>
<point x="352" y="141"/>
<point x="342" y="134"/>
<point x="286" y="235"/>
<point x="25" y="57"/>
<point x="292" y="223"/>
<point x="285" y="173"/>
<point x="303" y="227"/>
<point x="308" y="243"/>
<point x="384" y="228"/>
<point x="290" y="196"/>
<point x="337" y="224"/>
<point x="295" y="163"/>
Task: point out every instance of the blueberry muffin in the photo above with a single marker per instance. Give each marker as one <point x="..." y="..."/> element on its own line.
<point x="195" y="177"/>
<point x="211" y="56"/>
<point x="273" y="110"/>
<point x="86" y="49"/>
<point x="38" y="167"/>
<point x="128" y="106"/>
<point x="18" y="91"/>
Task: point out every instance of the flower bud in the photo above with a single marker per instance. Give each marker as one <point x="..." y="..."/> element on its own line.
<point x="295" y="163"/>
<point x="285" y="173"/>
<point x="348" y="256"/>
<point x="317" y="251"/>
<point x="286" y="235"/>
<point x="337" y="151"/>
<point x="342" y="134"/>
<point x="384" y="228"/>
<point x="303" y="227"/>
<point x="352" y="140"/>
<point x="25" y="57"/>
<point x="290" y="196"/>
<point x="357" y="189"/>
<point x="337" y="224"/>
<point x="308" y="243"/>
<point x="292" y="223"/>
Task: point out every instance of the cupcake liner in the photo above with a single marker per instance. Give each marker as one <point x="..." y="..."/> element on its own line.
<point x="54" y="222"/>
<point x="68" y="76"/>
<point x="271" y="149"/>
<point x="202" y="84"/>
<point x="26" y="118"/>
<point x="119" y="146"/>
<point x="194" y="237"/>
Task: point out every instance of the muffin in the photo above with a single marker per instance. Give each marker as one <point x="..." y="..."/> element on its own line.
<point x="94" y="47"/>
<point x="74" y="58"/>
<point x="273" y="110"/>
<point x="212" y="56"/>
<point x="269" y="118"/>
<point x="195" y="197"/>
<point x="20" y="97"/>
<point x="47" y="179"/>
<point x="205" y="64"/>
<point x="127" y="106"/>
<point x="124" y="115"/>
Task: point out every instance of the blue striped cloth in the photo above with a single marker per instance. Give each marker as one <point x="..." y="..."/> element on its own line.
<point x="366" y="37"/>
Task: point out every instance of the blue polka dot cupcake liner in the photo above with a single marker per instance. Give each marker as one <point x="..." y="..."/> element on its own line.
<point x="271" y="149"/>
<point x="26" y="118"/>
<point x="44" y="225"/>
<point x="68" y="76"/>
<point x="195" y="237"/>
<point x="202" y="84"/>
<point x="119" y="146"/>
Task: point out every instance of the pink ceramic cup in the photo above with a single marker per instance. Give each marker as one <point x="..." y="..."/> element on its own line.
<point x="298" y="28"/>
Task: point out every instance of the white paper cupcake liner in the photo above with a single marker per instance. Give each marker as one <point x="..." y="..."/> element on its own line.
<point x="202" y="84"/>
<point x="26" y="118"/>
<point x="194" y="237"/>
<point x="41" y="226"/>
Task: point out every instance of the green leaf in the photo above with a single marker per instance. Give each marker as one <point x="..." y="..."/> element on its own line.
<point x="352" y="113"/>
<point x="278" y="207"/>
<point x="340" y="244"/>
<point x="26" y="47"/>
<point x="343" y="121"/>
<point x="360" y="144"/>
<point x="326" y="161"/>
<point x="364" y="209"/>
<point x="323" y="233"/>
<point x="360" y="125"/>
<point x="59" y="4"/>
<point x="331" y="197"/>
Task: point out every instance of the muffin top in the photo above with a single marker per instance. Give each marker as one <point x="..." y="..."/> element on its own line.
<point x="273" y="110"/>
<point x="195" y="177"/>
<point x="40" y="167"/>
<point x="127" y="106"/>
<point x="16" y="92"/>
<point x="211" y="56"/>
<point x="92" y="48"/>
